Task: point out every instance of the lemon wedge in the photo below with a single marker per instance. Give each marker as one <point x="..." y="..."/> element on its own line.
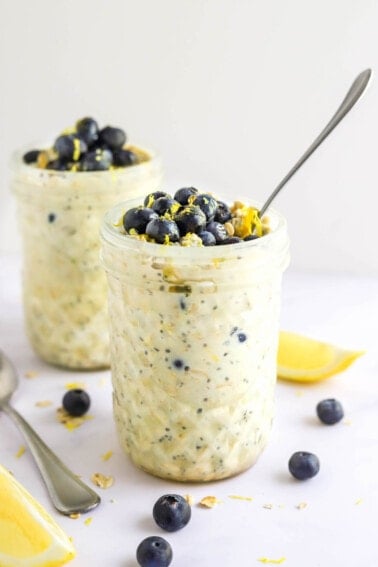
<point x="29" y="537"/>
<point x="302" y="359"/>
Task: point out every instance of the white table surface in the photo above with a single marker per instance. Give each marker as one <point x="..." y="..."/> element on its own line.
<point x="337" y="528"/>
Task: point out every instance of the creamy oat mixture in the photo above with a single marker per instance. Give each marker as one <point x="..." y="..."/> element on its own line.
<point x="64" y="287"/>
<point x="194" y="334"/>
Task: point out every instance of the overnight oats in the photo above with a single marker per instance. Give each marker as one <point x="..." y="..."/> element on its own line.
<point x="194" y="301"/>
<point x="62" y="194"/>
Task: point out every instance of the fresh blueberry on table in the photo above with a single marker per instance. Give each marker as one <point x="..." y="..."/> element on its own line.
<point x="31" y="156"/>
<point x="70" y="147"/>
<point x="304" y="465"/>
<point x="138" y="218"/>
<point x="207" y="204"/>
<point x="87" y="130"/>
<point x="112" y="138"/>
<point x="96" y="160"/>
<point x="163" y="230"/>
<point x="222" y="213"/>
<point x="76" y="402"/>
<point x="123" y="158"/>
<point x="207" y="238"/>
<point x="218" y="231"/>
<point x="171" y="512"/>
<point x="190" y="219"/>
<point x="182" y="195"/>
<point x="154" y="551"/>
<point x="330" y="411"/>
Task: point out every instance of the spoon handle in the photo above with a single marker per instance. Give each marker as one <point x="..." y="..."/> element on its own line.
<point x="352" y="96"/>
<point x="68" y="493"/>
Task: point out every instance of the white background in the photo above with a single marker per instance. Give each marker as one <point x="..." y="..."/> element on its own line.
<point x="231" y="92"/>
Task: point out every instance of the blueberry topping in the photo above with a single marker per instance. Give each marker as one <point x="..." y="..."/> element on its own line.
<point x="123" y="158"/>
<point x="250" y="237"/>
<point x="58" y="165"/>
<point x="154" y="551"/>
<point x="190" y="219"/>
<point x="163" y="230"/>
<point x="303" y="465"/>
<point x="31" y="156"/>
<point x="113" y="138"/>
<point x="138" y="219"/>
<point x="152" y="197"/>
<point x="232" y="240"/>
<point x="208" y="239"/>
<point x="218" y="231"/>
<point x="70" y="147"/>
<point x="171" y="512"/>
<point x="87" y="130"/>
<point x="76" y="402"/>
<point x="164" y="204"/>
<point x="207" y="204"/>
<point x="222" y="213"/>
<point x="182" y="195"/>
<point x="330" y="411"/>
<point x="96" y="160"/>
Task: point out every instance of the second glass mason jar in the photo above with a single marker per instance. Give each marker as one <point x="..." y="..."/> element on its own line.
<point x="194" y="336"/>
<point x="64" y="287"/>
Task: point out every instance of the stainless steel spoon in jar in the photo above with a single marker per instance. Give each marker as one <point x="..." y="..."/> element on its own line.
<point x="68" y="493"/>
<point x="358" y="87"/>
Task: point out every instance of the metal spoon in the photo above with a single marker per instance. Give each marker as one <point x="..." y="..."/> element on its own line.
<point x="352" y="96"/>
<point x="68" y="493"/>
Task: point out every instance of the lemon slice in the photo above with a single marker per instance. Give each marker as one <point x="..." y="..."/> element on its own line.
<point x="29" y="537"/>
<point x="302" y="359"/>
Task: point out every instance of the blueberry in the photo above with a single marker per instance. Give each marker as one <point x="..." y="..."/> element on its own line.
<point x="207" y="204"/>
<point x="51" y="217"/>
<point x="330" y="411"/>
<point x="154" y="551"/>
<point x="303" y="465"/>
<point x="182" y="195"/>
<point x="190" y="219"/>
<point x="76" y="402"/>
<point x="242" y="337"/>
<point x="152" y="197"/>
<point x="250" y="237"/>
<point x="113" y="138"/>
<point x="87" y="130"/>
<point x="222" y="213"/>
<point x="138" y="218"/>
<point x="163" y="230"/>
<point x="70" y="147"/>
<point x="208" y="239"/>
<point x="232" y="240"/>
<point x="58" y="165"/>
<point x="31" y="156"/>
<point x="218" y="231"/>
<point x="123" y="158"/>
<point x="96" y="160"/>
<point x="171" y="512"/>
<point x="165" y="204"/>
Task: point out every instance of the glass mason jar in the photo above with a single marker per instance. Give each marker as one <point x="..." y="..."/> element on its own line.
<point x="194" y="338"/>
<point x="64" y="286"/>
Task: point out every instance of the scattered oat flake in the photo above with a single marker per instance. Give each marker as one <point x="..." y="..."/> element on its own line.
<point x="106" y="456"/>
<point x="102" y="481"/>
<point x="88" y="521"/>
<point x="75" y="516"/>
<point x="209" y="501"/>
<point x="358" y="501"/>
<point x="268" y="506"/>
<point x="43" y="403"/>
<point x="189" y="498"/>
<point x="69" y="421"/>
<point x="347" y="422"/>
<point x="75" y="385"/>
<point x="102" y="382"/>
<point x="302" y="505"/>
<point x="31" y="374"/>
<point x="272" y="561"/>
<point x="236" y="497"/>
<point x="20" y="451"/>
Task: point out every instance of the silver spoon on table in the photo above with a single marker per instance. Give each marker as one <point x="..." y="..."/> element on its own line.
<point x="358" y="87"/>
<point x="68" y="493"/>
